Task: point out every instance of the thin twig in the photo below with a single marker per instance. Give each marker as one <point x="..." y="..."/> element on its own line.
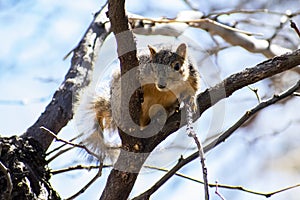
<point x="194" y="23"/>
<point x="217" y="191"/>
<point x="245" y="11"/>
<point x="61" y="146"/>
<point x="77" y="167"/>
<point x="191" y="133"/>
<point x="9" y="184"/>
<point x="82" y="190"/>
<point x="249" y="114"/>
<point x="183" y="161"/>
<point x="59" y="153"/>
<point x="71" y="143"/>
<point x="146" y="26"/>
<point x="295" y="27"/>
<point x="202" y="160"/>
<point x="224" y="186"/>
<point x="72" y="168"/>
<point x="255" y="90"/>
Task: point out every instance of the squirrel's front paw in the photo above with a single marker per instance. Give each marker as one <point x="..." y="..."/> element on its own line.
<point x="192" y="104"/>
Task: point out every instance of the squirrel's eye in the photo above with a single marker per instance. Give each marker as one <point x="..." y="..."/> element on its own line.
<point x="177" y="66"/>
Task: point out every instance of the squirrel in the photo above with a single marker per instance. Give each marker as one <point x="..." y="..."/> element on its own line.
<point x="167" y="77"/>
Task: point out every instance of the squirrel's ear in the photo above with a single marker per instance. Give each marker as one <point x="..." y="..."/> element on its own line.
<point x="152" y="51"/>
<point x="181" y="50"/>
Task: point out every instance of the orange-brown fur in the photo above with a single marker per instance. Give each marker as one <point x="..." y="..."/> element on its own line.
<point x="153" y="96"/>
<point x="167" y="78"/>
<point x="180" y="85"/>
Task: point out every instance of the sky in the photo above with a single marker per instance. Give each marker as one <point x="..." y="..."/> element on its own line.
<point x="36" y="35"/>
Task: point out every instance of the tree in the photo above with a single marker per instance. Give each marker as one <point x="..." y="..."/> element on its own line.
<point x="280" y="57"/>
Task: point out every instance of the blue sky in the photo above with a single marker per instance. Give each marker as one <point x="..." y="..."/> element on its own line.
<point x="36" y="35"/>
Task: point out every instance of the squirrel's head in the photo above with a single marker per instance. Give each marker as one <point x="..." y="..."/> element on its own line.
<point x="170" y="68"/>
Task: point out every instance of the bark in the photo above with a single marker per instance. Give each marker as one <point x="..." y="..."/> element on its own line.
<point x="176" y="27"/>
<point x="226" y="88"/>
<point x="221" y="138"/>
<point x="120" y="182"/>
<point x="24" y="173"/>
<point x="205" y="100"/>
<point x="122" y="177"/>
<point x="61" y="108"/>
<point x="23" y="170"/>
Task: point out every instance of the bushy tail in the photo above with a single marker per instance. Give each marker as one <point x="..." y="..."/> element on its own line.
<point x="95" y="122"/>
<point x="102" y="109"/>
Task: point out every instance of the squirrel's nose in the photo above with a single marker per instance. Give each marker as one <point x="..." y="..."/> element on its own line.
<point x="161" y="86"/>
<point x="161" y="83"/>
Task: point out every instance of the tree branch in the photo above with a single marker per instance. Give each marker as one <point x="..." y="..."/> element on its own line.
<point x="203" y="165"/>
<point x="176" y="27"/>
<point x="231" y="187"/>
<point x="246" y="77"/>
<point x="295" y="27"/>
<point x="191" y="133"/>
<point x="9" y="184"/>
<point x="226" y="88"/>
<point x="78" y="167"/>
<point x="121" y="179"/>
<point x="213" y="95"/>
<point x="82" y="190"/>
<point x="183" y="161"/>
<point x="71" y="143"/>
<point x="61" y="108"/>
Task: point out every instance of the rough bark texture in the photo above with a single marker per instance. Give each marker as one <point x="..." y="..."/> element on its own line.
<point x="226" y="88"/>
<point x="176" y="27"/>
<point x="120" y="183"/>
<point x="61" y="108"/>
<point x="246" y="77"/>
<point x="121" y="179"/>
<point x="211" y="96"/>
<point x="27" y="169"/>
<point x="225" y="135"/>
<point x="23" y="158"/>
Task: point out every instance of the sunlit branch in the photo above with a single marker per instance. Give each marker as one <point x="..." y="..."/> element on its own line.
<point x="72" y="144"/>
<point x="183" y="161"/>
